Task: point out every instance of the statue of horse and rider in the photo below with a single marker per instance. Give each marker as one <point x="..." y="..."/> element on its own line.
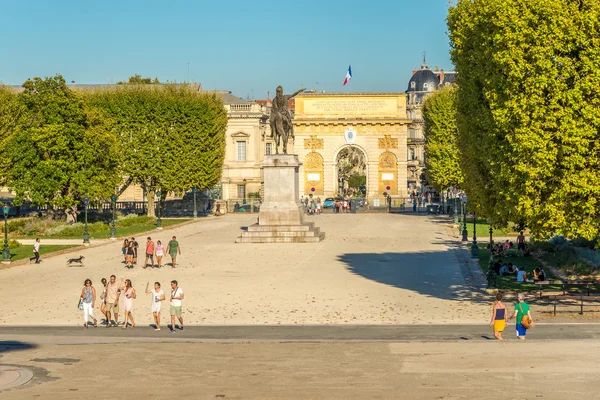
<point x="281" y="119"/>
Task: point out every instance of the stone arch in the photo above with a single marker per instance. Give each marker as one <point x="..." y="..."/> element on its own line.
<point x="388" y="173"/>
<point x="336" y="154"/>
<point x="313" y="174"/>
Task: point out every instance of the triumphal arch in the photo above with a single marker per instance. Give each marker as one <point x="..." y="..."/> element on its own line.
<point x="338" y="135"/>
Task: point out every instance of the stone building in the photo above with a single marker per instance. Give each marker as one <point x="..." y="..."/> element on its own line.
<point x="423" y="82"/>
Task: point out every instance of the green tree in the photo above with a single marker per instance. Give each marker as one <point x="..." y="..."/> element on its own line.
<point x="59" y="151"/>
<point x="10" y="113"/>
<point x="172" y="138"/>
<point x="357" y="180"/>
<point x="528" y="111"/>
<point x="442" y="161"/>
<point x="138" y="80"/>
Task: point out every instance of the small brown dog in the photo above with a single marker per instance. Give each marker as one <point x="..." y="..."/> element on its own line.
<point x="75" y="260"/>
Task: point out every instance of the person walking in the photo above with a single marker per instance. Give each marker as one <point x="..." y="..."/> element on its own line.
<point x="103" y="299"/>
<point x="88" y="301"/>
<point x="130" y="254"/>
<point x="124" y="249"/>
<point x="173" y="248"/>
<point x="523" y="315"/>
<point x="176" y="305"/>
<point x="159" y="251"/>
<point x="149" y="253"/>
<point x="112" y="301"/>
<point x="128" y="303"/>
<point x="520" y="244"/>
<point x="135" y="250"/>
<point x="36" y="252"/>
<point x="158" y="296"/>
<point x="499" y="317"/>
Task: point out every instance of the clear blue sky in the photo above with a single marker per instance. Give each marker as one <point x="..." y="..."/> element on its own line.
<point x="248" y="47"/>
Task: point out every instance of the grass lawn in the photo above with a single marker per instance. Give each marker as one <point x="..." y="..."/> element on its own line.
<point x="482" y="229"/>
<point x="122" y="232"/>
<point x="22" y="252"/>
<point x="508" y="281"/>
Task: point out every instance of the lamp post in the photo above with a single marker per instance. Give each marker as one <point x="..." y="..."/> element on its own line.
<point x="490" y="221"/>
<point x="113" y="228"/>
<point x="465" y="232"/>
<point x="244" y="200"/>
<point x="6" y="250"/>
<point x="158" y="220"/>
<point x="196" y="209"/>
<point x="86" y="234"/>
<point x="474" y="247"/>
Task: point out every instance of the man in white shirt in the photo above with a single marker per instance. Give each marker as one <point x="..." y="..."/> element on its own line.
<point x="176" y="304"/>
<point x="36" y="252"/>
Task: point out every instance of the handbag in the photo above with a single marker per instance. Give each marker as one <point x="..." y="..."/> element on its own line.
<point x="525" y="320"/>
<point x="80" y="305"/>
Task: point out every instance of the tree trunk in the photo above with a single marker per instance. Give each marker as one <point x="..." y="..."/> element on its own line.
<point x="150" y="195"/>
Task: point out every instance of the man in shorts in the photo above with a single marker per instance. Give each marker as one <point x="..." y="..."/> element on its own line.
<point x="135" y="250"/>
<point x="112" y="301"/>
<point x="173" y="249"/>
<point x="176" y="304"/>
<point x="149" y="252"/>
<point x="520" y="244"/>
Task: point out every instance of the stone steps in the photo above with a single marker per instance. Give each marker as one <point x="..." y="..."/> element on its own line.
<point x="305" y="233"/>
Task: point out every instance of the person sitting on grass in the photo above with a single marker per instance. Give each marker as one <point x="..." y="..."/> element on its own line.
<point x="542" y="275"/>
<point x="536" y="274"/>
<point x="522" y="275"/>
<point x="512" y="269"/>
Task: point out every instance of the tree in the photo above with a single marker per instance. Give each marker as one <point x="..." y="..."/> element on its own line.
<point x="59" y="151"/>
<point x="172" y="138"/>
<point x="10" y="113"/>
<point x="138" y="80"/>
<point x="442" y="161"/>
<point x="528" y="111"/>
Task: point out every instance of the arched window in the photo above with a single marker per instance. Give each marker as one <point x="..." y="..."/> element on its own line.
<point x="413" y="85"/>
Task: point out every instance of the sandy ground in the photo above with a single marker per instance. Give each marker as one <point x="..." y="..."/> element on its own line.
<point x="448" y="370"/>
<point x="371" y="269"/>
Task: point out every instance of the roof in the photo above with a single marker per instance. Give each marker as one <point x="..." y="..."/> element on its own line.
<point x="423" y="80"/>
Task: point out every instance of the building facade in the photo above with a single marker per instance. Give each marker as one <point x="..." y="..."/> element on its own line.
<point x="423" y="82"/>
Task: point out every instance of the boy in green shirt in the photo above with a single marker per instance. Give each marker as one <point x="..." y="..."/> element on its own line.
<point x="522" y="309"/>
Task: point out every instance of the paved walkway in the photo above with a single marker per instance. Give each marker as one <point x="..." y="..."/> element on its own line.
<point x="424" y="371"/>
<point x="371" y="269"/>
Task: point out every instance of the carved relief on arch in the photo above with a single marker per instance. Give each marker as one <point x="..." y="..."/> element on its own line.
<point x="387" y="160"/>
<point x="313" y="161"/>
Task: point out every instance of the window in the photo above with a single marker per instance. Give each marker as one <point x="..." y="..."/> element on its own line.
<point x="241" y="191"/>
<point x="412" y="133"/>
<point x="413" y="85"/>
<point x="411" y="154"/>
<point x="241" y="151"/>
<point x="425" y="86"/>
<point x="268" y="149"/>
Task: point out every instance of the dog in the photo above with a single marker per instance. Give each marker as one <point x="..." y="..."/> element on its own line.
<point x="75" y="260"/>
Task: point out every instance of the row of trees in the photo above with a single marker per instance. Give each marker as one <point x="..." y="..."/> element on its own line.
<point x="527" y="119"/>
<point x="60" y="145"/>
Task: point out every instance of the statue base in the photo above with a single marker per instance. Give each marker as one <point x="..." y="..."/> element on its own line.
<point x="281" y="216"/>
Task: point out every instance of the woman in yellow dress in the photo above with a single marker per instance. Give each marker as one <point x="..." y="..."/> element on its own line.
<point x="499" y="317"/>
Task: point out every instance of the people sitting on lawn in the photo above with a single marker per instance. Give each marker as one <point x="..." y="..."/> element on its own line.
<point x="512" y="269"/>
<point x="522" y="275"/>
<point x="539" y="275"/>
<point x="496" y="266"/>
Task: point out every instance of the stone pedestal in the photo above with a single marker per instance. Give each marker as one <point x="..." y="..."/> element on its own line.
<point x="281" y="217"/>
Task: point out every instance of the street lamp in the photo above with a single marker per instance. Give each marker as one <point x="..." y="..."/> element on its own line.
<point x="244" y="201"/>
<point x="490" y="221"/>
<point x="6" y="250"/>
<point x="465" y="232"/>
<point x="196" y="209"/>
<point x="86" y="234"/>
<point x="474" y="247"/>
<point x="158" y="220"/>
<point x="113" y="228"/>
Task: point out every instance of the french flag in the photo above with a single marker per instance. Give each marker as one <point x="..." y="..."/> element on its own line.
<point x="348" y="76"/>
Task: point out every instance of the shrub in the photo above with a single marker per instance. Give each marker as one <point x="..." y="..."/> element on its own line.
<point x="133" y="219"/>
<point x="557" y="240"/>
<point x="543" y="246"/>
<point x="581" y="242"/>
<point x="13" y="244"/>
<point x="592" y="256"/>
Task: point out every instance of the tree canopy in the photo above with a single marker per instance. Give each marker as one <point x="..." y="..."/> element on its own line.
<point x="442" y="161"/>
<point x="139" y="80"/>
<point x="57" y="149"/>
<point x="171" y="137"/>
<point x="528" y="111"/>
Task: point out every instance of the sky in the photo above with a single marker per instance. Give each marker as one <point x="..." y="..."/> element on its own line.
<point x="248" y="47"/>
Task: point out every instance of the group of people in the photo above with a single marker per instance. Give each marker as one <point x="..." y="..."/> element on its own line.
<point x="342" y="206"/>
<point x="500" y="317"/>
<point x="119" y="296"/>
<point x="502" y="268"/>
<point x="130" y="252"/>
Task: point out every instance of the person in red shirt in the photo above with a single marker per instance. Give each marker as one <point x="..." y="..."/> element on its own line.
<point x="149" y="252"/>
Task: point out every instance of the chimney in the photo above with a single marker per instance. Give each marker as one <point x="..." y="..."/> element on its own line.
<point x="441" y="77"/>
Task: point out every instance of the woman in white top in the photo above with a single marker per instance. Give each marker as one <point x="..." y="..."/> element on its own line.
<point x="159" y="252"/>
<point x="158" y="296"/>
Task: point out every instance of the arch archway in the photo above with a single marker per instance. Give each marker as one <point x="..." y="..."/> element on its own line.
<point x="351" y="170"/>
